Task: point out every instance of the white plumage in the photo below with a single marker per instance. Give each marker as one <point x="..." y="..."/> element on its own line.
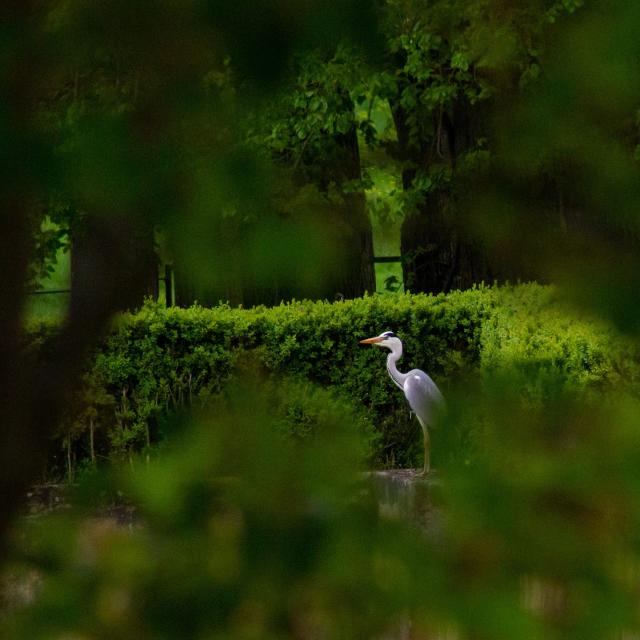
<point x="421" y="391"/>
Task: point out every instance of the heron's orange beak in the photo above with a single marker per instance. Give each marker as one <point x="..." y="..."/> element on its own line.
<point x="372" y="340"/>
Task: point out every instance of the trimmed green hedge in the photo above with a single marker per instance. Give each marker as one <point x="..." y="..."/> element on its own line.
<point x="158" y="360"/>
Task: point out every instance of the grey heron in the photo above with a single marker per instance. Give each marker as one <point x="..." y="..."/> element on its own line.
<point x="421" y="391"/>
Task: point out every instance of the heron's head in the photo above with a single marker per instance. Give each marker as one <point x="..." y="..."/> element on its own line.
<point x="388" y="339"/>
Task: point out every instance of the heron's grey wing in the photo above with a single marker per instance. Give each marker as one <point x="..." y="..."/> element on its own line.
<point x="424" y="397"/>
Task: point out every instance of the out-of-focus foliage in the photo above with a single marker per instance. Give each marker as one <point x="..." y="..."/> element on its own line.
<point x="159" y="361"/>
<point x="242" y="534"/>
<point x="312" y="131"/>
<point x="244" y="530"/>
<point x="452" y="73"/>
<point x="159" y="97"/>
<point x="546" y="349"/>
<point x="247" y="533"/>
<point x="561" y="193"/>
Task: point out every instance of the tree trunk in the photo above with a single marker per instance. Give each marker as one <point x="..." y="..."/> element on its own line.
<point x="137" y="247"/>
<point x="437" y="252"/>
<point x="92" y="448"/>
<point x="185" y="290"/>
<point x="357" y="275"/>
<point x="69" y="461"/>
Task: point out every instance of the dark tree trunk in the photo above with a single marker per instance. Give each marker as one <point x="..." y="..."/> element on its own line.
<point x="223" y="278"/>
<point x="437" y="252"/>
<point x="357" y="275"/>
<point x="185" y="290"/>
<point x="138" y="247"/>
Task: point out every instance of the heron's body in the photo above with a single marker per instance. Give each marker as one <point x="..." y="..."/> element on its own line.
<point x="421" y="391"/>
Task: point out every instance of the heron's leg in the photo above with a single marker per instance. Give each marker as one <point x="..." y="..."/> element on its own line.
<point x="427" y="452"/>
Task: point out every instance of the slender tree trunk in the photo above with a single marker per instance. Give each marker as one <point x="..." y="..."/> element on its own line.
<point x="69" y="462"/>
<point x="92" y="448"/>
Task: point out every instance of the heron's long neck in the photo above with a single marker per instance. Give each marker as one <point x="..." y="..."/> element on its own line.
<point x="392" y="359"/>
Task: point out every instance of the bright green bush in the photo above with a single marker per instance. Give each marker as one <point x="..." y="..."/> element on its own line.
<point x="159" y="360"/>
<point x="541" y="344"/>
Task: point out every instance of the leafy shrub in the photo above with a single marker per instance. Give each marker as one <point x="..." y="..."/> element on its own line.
<point x="536" y="339"/>
<point x="159" y="360"/>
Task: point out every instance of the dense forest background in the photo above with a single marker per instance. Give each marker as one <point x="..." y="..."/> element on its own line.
<point x="401" y="127"/>
<point x="269" y="151"/>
